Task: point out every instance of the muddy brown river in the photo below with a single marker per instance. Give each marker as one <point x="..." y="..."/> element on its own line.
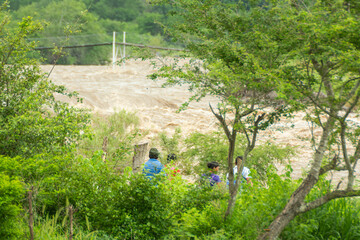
<point x="106" y="89"/>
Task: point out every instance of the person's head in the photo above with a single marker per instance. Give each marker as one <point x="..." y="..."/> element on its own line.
<point x="238" y="158"/>
<point x="154" y="153"/>
<point x="171" y="157"/>
<point x="213" y="165"/>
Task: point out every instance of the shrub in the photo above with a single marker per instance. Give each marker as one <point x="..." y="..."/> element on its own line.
<point x="170" y="144"/>
<point x="32" y="120"/>
<point x="120" y="130"/>
<point x="11" y="193"/>
<point x="202" y="148"/>
<point x="255" y="207"/>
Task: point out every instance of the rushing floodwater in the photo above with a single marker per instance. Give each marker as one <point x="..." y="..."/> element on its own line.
<point x="106" y="90"/>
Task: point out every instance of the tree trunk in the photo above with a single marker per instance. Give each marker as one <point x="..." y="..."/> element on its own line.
<point x="140" y="151"/>
<point x="232" y="189"/>
<point x="291" y="209"/>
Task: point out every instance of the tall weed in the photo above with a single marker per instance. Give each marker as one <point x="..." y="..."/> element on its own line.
<point x="120" y="132"/>
<point x="170" y="144"/>
<point x="53" y="228"/>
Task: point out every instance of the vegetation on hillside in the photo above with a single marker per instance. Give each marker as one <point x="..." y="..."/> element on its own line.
<point x="92" y="22"/>
<point x="56" y="182"/>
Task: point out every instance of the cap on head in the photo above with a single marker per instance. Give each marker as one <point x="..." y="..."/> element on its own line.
<point x="154" y="153"/>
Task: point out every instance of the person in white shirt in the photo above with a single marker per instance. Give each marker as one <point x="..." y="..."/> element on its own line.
<point x="245" y="172"/>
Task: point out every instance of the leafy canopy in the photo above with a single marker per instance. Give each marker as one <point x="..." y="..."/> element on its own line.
<point x="31" y="119"/>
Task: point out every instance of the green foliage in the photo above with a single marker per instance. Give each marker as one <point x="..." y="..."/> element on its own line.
<point x="124" y="10"/>
<point x="31" y="120"/>
<point x="258" y="205"/>
<point x="170" y="144"/>
<point x="11" y="194"/>
<point x="96" y="20"/>
<point x="44" y="173"/>
<point x="203" y="148"/>
<point x="147" y="23"/>
<point x="129" y="205"/>
<point x="58" y="227"/>
<point x="266" y="154"/>
<point x="338" y="219"/>
<point x="63" y="28"/>
<point x="119" y="131"/>
<point x="203" y="222"/>
<point x="255" y="207"/>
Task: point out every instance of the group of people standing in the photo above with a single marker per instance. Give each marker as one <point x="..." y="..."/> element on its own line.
<point x="215" y="166"/>
<point x="153" y="166"/>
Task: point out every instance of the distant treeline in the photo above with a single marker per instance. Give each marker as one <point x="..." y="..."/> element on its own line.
<point x="76" y="22"/>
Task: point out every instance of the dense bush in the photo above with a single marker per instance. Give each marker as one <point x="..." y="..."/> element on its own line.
<point x="11" y="194"/>
<point x="202" y="148"/>
<point x="129" y="206"/>
<point x="120" y="132"/>
<point x="32" y="120"/>
<point x="254" y="209"/>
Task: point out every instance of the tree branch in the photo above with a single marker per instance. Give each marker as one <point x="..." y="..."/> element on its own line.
<point x="343" y="145"/>
<point x="328" y="197"/>
<point x="353" y="104"/>
<point x="353" y="90"/>
<point x="222" y="122"/>
<point x="256" y="124"/>
<point x="356" y="154"/>
<point x="330" y="166"/>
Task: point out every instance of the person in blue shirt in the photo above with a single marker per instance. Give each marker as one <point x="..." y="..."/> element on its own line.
<point x="153" y="166"/>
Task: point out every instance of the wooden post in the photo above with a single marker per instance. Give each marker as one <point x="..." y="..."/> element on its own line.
<point x="140" y="154"/>
<point x="31" y="214"/>
<point x="71" y="222"/>
<point x="104" y="148"/>
<point x="113" y="51"/>
<point x="124" y="55"/>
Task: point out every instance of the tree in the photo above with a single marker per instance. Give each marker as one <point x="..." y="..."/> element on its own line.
<point x="323" y="67"/>
<point x="57" y="31"/>
<point x="32" y="121"/>
<point x="240" y="69"/>
<point x="123" y="10"/>
<point x="264" y="59"/>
